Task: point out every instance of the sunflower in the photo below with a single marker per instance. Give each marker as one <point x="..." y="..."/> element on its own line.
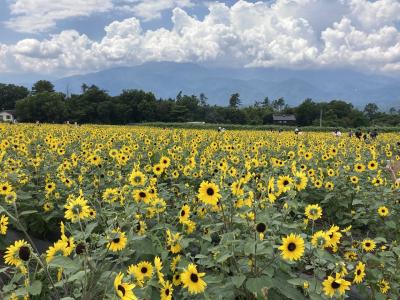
<point x="372" y="165"/>
<point x="359" y="272"/>
<point x="209" y="193"/>
<point x="350" y="256"/>
<point x="329" y="185"/>
<point x="59" y="248"/>
<point x="18" y="253"/>
<point x="166" y="291"/>
<point x="141" y="271"/>
<point x="141" y="228"/>
<point x="334" y="236"/>
<point x="50" y="187"/>
<point x="368" y="245"/>
<point x="313" y="212"/>
<point x="5" y="188"/>
<point x="354" y="179"/>
<point x="331" y="285"/>
<point x="77" y="209"/>
<point x="3" y="224"/>
<point x="184" y="213"/>
<point x="300" y="181"/>
<point x="118" y="241"/>
<point x="11" y="197"/>
<point x="165" y="162"/>
<point x="292" y="247"/>
<point x="284" y="183"/>
<point x="124" y="290"/>
<point x="320" y="239"/>
<point x="359" y="168"/>
<point x="191" y="280"/>
<point x="383" y="211"/>
<point x="384" y="286"/>
<point x="137" y="178"/>
<point x="318" y="183"/>
<point x="176" y="280"/>
<point x="158" y="169"/>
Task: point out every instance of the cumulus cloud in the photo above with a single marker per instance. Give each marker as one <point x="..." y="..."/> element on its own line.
<point x="148" y="10"/>
<point x="40" y="15"/>
<point x="287" y="33"/>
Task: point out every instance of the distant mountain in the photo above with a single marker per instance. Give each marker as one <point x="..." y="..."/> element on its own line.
<point x="166" y="79"/>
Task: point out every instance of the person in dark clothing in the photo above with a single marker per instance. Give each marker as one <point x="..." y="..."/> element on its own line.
<point x="358" y="133"/>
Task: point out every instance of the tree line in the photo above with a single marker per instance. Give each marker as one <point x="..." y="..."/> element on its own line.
<point x="94" y="105"/>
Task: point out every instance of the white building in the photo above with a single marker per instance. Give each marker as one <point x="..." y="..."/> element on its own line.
<point x="7" y="116"/>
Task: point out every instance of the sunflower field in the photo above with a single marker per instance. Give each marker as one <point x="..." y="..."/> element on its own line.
<point x="150" y="213"/>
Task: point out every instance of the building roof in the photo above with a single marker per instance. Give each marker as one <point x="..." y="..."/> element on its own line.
<point x="11" y="112"/>
<point x="284" y="117"/>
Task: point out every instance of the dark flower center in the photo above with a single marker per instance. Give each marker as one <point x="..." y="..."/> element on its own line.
<point x="183" y="212"/>
<point x="261" y="227"/>
<point x="285" y="182"/>
<point x="24" y="253"/>
<point x="210" y="191"/>
<point x="291" y="246"/>
<point x="143" y="270"/>
<point x="4" y="188"/>
<point x="121" y="289"/>
<point x="335" y="285"/>
<point x="80" y="248"/>
<point x="194" y="277"/>
<point x="167" y="292"/>
<point x="142" y="194"/>
<point x="358" y="272"/>
<point x="116" y="240"/>
<point x="368" y="244"/>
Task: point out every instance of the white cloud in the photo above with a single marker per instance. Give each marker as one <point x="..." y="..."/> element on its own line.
<point x="148" y="10"/>
<point x="288" y="33"/>
<point x="41" y="15"/>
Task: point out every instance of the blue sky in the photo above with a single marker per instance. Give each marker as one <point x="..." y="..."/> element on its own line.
<point x="66" y="37"/>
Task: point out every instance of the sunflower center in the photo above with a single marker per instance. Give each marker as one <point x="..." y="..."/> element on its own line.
<point x="285" y="182"/>
<point x="116" y="240"/>
<point x="194" y="277"/>
<point x="335" y="285"/>
<point x="167" y="292"/>
<point x="210" y="191"/>
<point x="359" y="272"/>
<point x="143" y="270"/>
<point x="261" y="227"/>
<point x="142" y="194"/>
<point x="4" y="188"/>
<point x="291" y="246"/>
<point x="24" y="253"/>
<point x="183" y="213"/>
<point x="121" y="289"/>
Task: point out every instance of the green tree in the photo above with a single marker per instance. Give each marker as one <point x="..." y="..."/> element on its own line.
<point x="43" y="107"/>
<point x="42" y="86"/>
<point x="234" y="100"/>
<point x="278" y="104"/>
<point x="307" y="112"/>
<point x="371" y="109"/>
<point x="10" y="93"/>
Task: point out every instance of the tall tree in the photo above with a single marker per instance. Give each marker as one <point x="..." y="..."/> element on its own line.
<point x="10" y="93"/>
<point x="234" y="100"/>
<point x="371" y="109"/>
<point x="278" y="104"/>
<point x="42" y="86"/>
<point x="203" y="99"/>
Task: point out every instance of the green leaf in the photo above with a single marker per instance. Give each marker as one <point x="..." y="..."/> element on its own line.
<point x="297" y="281"/>
<point x="77" y="276"/>
<point x="64" y="262"/>
<point x="255" y="285"/>
<point x="224" y="257"/>
<point x="28" y="212"/>
<point x="238" y="280"/>
<point x="35" y="288"/>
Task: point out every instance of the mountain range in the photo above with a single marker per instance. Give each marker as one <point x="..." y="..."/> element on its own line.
<point x="167" y="79"/>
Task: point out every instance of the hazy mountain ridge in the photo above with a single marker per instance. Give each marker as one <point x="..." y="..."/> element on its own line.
<point x="166" y="79"/>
